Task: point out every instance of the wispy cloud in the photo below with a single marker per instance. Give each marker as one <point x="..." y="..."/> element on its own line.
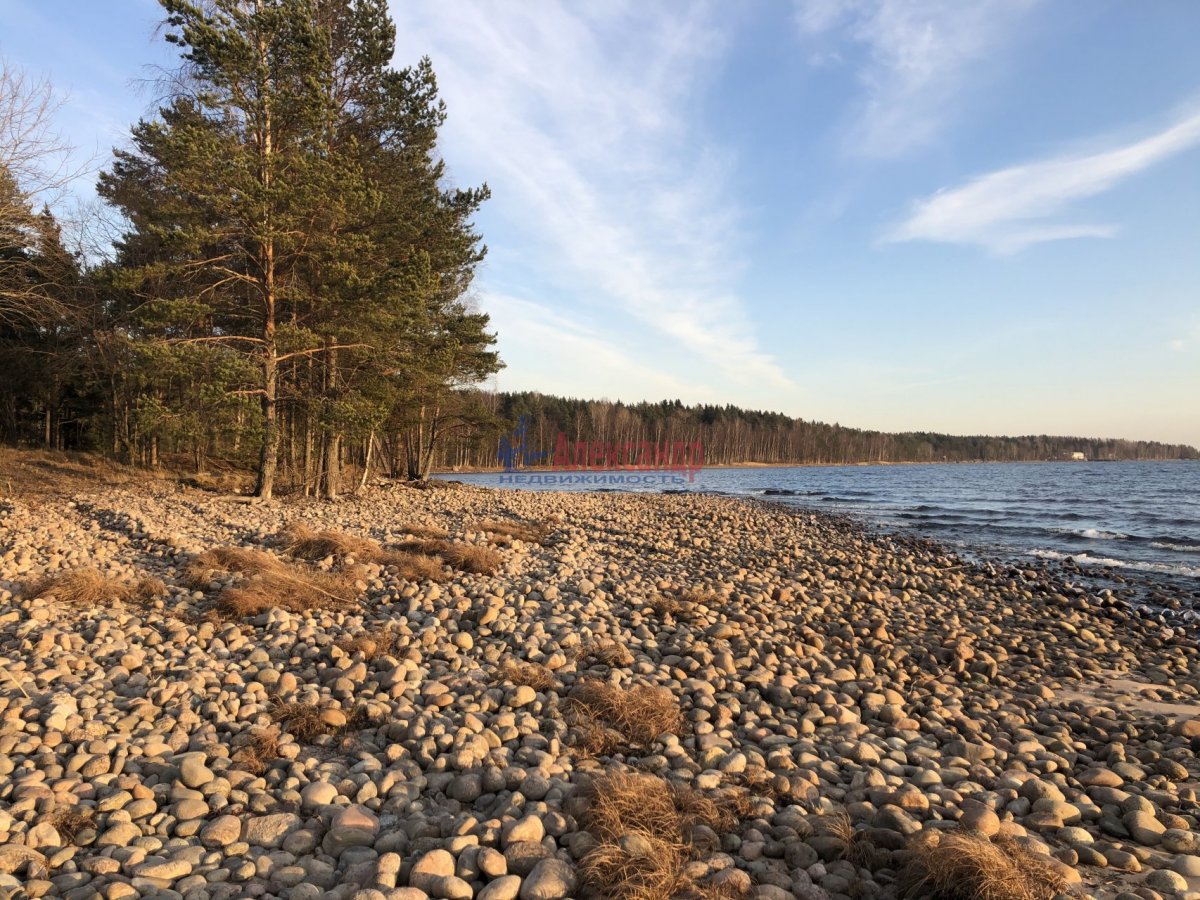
<point x="1187" y="337"/>
<point x="919" y="56"/>
<point x="575" y="356"/>
<point x="1007" y="210"/>
<point x="576" y="115"/>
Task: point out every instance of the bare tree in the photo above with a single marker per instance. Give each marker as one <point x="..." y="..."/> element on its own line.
<point x="35" y="170"/>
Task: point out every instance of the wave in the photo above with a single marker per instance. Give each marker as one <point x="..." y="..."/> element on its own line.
<point x="1107" y="562"/>
<point x="1097" y="534"/>
<point x="1191" y="547"/>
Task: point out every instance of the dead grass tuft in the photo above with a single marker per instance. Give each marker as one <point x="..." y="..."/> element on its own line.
<point x="301" y="720"/>
<point x="642" y="867"/>
<point x="257" y="750"/>
<point x="677" y="606"/>
<point x="299" y="540"/>
<point x="371" y="645"/>
<point x="415" y="567"/>
<point x="699" y="597"/>
<point x="427" y="546"/>
<point x="91" y="587"/>
<point x="241" y="560"/>
<point x="857" y="848"/>
<point x="836" y="825"/>
<point x="620" y="803"/>
<point x="473" y="558"/>
<point x="217" y="482"/>
<point x="758" y="781"/>
<point x="706" y="891"/>
<point x="269" y="582"/>
<point x="533" y="675"/>
<point x="424" y="531"/>
<point x="464" y="557"/>
<point x="964" y="865"/>
<point x="607" y="653"/>
<point x="590" y="738"/>
<point x="506" y="532"/>
<point x="640" y="713"/>
<point x="642" y="824"/>
<point x="69" y="821"/>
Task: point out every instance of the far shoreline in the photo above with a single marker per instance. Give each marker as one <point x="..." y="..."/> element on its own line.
<point x="500" y="470"/>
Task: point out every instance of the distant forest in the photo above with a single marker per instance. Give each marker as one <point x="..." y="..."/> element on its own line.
<point x="733" y="435"/>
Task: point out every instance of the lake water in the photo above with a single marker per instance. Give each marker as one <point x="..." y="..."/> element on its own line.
<point x="1140" y="516"/>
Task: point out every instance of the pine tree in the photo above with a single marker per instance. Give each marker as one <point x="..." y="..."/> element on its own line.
<point x="226" y="187"/>
<point x="287" y="206"/>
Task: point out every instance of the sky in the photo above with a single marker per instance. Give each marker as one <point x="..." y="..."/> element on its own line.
<point x="968" y="217"/>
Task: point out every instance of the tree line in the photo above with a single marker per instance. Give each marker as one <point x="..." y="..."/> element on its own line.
<point x="289" y="288"/>
<point x="730" y="435"/>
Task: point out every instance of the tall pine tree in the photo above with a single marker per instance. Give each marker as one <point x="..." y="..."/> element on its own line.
<point x="287" y="205"/>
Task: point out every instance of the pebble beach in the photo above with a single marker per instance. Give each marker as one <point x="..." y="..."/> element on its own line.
<point x="493" y="694"/>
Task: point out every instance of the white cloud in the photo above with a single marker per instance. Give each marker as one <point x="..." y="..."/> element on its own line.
<point x="1188" y="336"/>
<point x="1007" y="210"/>
<point x="575" y="114"/>
<point x="919" y="54"/>
<point x="574" y="357"/>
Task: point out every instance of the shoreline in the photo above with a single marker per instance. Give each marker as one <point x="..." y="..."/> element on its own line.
<point x="500" y="470"/>
<point x="803" y="668"/>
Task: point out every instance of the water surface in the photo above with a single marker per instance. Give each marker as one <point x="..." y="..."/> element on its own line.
<point x="1141" y="516"/>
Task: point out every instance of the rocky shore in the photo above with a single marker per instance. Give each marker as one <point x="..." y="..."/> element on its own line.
<point x="464" y="693"/>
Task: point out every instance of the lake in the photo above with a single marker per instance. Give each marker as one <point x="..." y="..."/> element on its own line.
<point x="1142" y="516"/>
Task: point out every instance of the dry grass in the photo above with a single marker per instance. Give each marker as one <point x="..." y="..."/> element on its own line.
<point x="427" y="546"/>
<point x="243" y="561"/>
<point x="615" y="871"/>
<point x="964" y="865"/>
<point x="699" y="597"/>
<point x="424" y="531"/>
<point x="68" y="821"/>
<point x="269" y="582"/>
<point x="724" y="891"/>
<point x="758" y="781"/>
<point x="257" y="750"/>
<point x="473" y="558"/>
<point x="608" y="653"/>
<point x="856" y="847"/>
<point x="464" y="557"/>
<point x="301" y="720"/>
<point x="91" y="587"/>
<point x="506" y="532"/>
<point x="675" y="606"/>
<point x="640" y="713"/>
<point x="217" y="482"/>
<point x="590" y="738"/>
<point x="415" y="567"/>
<point x="533" y="675"/>
<point x="38" y="473"/>
<point x="642" y="824"/>
<point x="299" y="540"/>
<point x="305" y="723"/>
<point x="371" y="645"/>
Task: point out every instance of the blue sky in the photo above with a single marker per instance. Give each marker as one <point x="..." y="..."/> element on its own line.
<point x="900" y="214"/>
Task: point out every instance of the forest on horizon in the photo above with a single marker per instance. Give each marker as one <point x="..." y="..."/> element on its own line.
<point x="731" y="435"/>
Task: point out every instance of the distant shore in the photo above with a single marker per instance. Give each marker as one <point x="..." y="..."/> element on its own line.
<point x="494" y="470"/>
